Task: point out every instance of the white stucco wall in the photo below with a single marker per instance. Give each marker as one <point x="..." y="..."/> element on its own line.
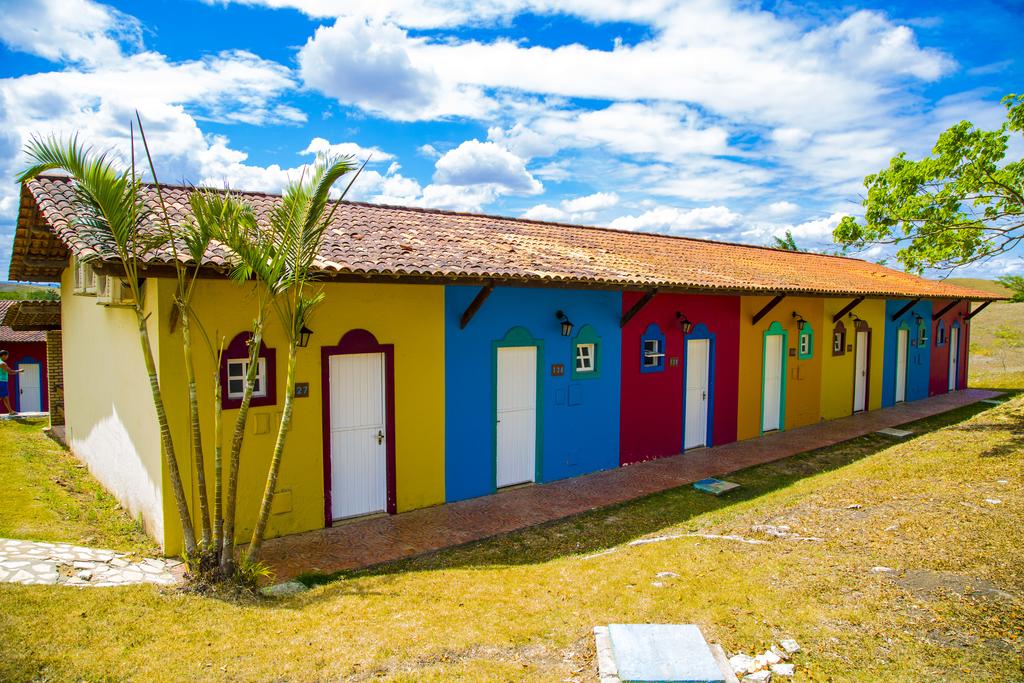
<point x="110" y="420"/>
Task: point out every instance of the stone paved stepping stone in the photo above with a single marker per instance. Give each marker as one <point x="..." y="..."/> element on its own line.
<point x="715" y="486"/>
<point x="892" y="431"/>
<point x="663" y="652"/>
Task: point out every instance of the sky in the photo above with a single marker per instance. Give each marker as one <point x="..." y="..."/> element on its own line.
<point x="732" y="121"/>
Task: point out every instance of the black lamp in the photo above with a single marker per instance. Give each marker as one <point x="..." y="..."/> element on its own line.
<point x="304" y="334"/>
<point x="566" y="323"/>
<point x="856" y="320"/>
<point x="684" y="323"/>
<point x="800" y="322"/>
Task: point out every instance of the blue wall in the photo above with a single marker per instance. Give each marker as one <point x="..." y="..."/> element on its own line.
<point x="918" y="357"/>
<point x="580" y="418"/>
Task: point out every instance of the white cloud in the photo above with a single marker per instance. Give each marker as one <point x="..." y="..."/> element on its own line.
<point x="485" y="163"/>
<point x="664" y="131"/>
<point x="782" y="208"/>
<point x="869" y="43"/>
<point x="371" y="65"/>
<point x="428" y="151"/>
<point x="669" y="219"/>
<point x="575" y="210"/>
<point x="544" y="212"/>
<point x="72" y="30"/>
<point x="815" y="234"/>
<point x="591" y="202"/>
<point x="322" y="146"/>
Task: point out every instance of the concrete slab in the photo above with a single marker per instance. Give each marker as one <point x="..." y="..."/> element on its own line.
<point x="667" y="653"/>
<point x="892" y="431"/>
<point x="715" y="486"/>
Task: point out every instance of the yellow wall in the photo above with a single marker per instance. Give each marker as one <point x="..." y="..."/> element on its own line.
<point x="110" y="420"/>
<point x="837" y="371"/>
<point x="803" y="377"/>
<point x="409" y="316"/>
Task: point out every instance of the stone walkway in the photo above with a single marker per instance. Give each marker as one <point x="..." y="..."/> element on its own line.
<point x="374" y="540"/>
<point x="62" y="564"/>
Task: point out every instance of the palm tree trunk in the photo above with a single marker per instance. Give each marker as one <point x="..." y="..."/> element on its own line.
<point x="194" y="426"/>
<point x="227" y="557"/>
<point x="275" y="462"/>
<point x="167" y="443"/>
<point x="218" y="461"/>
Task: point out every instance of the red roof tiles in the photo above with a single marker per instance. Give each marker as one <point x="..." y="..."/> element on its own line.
<point x="409" y="243"/>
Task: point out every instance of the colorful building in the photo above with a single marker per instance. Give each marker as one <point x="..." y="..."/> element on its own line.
<point x="907" y="363"/>
<point x="458" y="354"/>
<point x="950" y="341"/>
<point x="28" y="389"/>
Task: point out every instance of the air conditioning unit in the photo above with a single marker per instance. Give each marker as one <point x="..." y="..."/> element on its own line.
<point x="112" y="290"/>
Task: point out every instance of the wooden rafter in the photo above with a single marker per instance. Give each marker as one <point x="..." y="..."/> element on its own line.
<point x="977" y="310"/>
<point x="767" y="309"/>
<point x="475" y="304"/>
<point x="945" y="309"/>
<point x="910" y="304"/>
<point x="643" y="301"/>
<point x="846" y="309"/>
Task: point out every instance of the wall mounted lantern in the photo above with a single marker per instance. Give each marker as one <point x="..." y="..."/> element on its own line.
<point x="800" y="322"/>
<point x="566" y="323"/>
<point x="304" y="334"/>
<point x="684" y="323"/>
<point x="856" y="320"/>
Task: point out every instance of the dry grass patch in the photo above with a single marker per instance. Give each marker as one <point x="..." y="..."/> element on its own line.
<point x="521" y="607"/>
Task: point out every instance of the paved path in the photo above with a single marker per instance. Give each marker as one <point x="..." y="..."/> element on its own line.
<point x="381" y="539"/>
<point x="35" y="562"/>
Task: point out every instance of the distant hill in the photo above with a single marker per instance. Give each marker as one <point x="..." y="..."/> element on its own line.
<point x="978" y="283"/>
<point x="23" y="290"/>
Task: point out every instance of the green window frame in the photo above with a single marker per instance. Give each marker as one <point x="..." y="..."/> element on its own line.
<point x="586" y="345"/>
<point x="805" y="342"/>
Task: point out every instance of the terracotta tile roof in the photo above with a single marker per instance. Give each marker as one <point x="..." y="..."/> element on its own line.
<point x="9" y="311"/>
<point x="388" y="241"/>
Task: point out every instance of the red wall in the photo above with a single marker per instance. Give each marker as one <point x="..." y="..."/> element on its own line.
<point x="652" y="403"/>
<point x="18" y="351"/>
<point x="938" y="382"/>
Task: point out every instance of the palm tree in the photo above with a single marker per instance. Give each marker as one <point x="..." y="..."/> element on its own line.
<point x="109" y="207"/>
<point x="297" y="227"/>
<point x="232" y="222"/>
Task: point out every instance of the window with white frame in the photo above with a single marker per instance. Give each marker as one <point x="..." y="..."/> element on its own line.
<point x="237" y="369"/>
<point x="805" y="344"/>
<point x="653" y="353"/>
<point x="584" y="358"/>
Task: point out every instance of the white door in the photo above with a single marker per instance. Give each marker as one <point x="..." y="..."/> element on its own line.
<point x="695" y="431"/>
<point x="954" y="351"/>
<point x="771" y="401"/>
<point x="860" y="373"/>
<point x="516" y="415"/>
<point x="902" y="342"/>
<point x="358" y="435"/>
<point x="30" y="397"/>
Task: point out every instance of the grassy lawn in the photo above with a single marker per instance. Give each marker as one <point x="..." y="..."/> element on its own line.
<point x="522" y="607"/>
<point x="50" y="496"/>
<point x="994" y="362"/>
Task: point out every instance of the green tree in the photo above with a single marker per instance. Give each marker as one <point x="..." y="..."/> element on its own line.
<point x="1015" y="283"/>
<point x="109" y="206"/>
<point x="961" y="204"/>
<point x="787" y="242"/>
<point x="297" y="227"/>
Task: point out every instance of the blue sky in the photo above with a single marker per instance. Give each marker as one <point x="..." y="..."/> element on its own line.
<point x="734" y="121"/>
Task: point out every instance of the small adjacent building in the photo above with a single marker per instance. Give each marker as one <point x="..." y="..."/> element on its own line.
<point x="23" y="334"/>
<point x="458" y="354"/>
